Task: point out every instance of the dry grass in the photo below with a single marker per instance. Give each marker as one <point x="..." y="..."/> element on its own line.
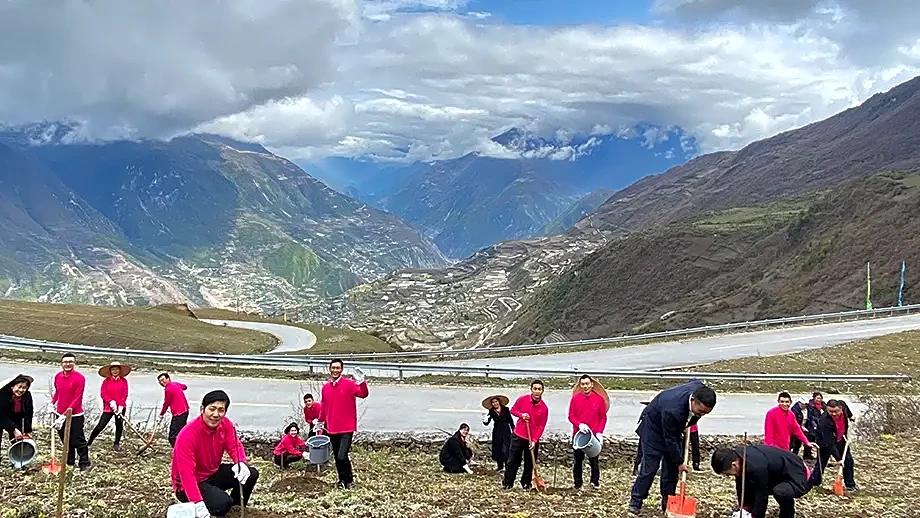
<point x="159" y="328"/>
<point x="395" y="483"/>
<point x="329" y="340"/>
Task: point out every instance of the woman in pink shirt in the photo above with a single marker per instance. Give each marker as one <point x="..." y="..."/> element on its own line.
<point x="290" y="448"/>
<point x="114" y="392"/>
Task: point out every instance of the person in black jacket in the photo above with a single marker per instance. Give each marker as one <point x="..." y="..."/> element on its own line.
<point x="661" y="438"/>
<point x="16" y="408"/>
<point x="767" y="471"/>
<point x="833" y="428"/>
<point x="455" y="454"/>
<point x="503" y="423"/>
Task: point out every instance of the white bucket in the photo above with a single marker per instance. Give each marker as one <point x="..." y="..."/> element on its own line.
<point x="21" y="453"/>
<point x="320" y="446"/>
<point x="587" y="442"/>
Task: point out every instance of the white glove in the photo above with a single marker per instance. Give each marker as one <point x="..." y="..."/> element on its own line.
<point x="743" y="513"/>
<point x="466" y="467"/>
<point x="320" y="426"/>
<point x="600" y="437"/>
<point x="241" y="472"/>
<point x="112" y="405"/>
<point x="305" y="455"/>
<point x="582" y="427"/>
<point x="201" y="511"/>
<point x="315" y="422"/>
<point x="59" y="422"/>
<point x="359" y="375"/>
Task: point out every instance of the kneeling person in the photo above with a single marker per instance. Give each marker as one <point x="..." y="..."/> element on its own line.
<point x="455" y="455"/>
<point x="768" y="471"/>
<point x="197" y="473"/>
<point x="291" y="447"/>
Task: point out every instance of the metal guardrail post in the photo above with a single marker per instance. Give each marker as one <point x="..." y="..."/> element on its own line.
<point x="401" y="378"/>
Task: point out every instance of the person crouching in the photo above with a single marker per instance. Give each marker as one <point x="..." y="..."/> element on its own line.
<point x="456" y="454"/>
<point x="767" y="471"/>
<point x="198" y="476"/>
<point x="291" y="448"/>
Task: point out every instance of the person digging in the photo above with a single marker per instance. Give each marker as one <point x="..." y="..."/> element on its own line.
<point x="532" y="414"/>
<point x="114" y="393"/>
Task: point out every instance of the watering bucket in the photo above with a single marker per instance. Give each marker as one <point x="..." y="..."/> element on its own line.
<point x="22" y="452"/>
<point x="587" y="442"/>
<point x="320" y="446"/>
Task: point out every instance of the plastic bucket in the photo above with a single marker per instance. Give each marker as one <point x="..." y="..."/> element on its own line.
<point x="22" y="452"/>
<point x="587" y="442"/>
<point x="320" y="447"/>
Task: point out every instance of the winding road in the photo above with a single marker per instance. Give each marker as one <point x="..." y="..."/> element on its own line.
<point x="290" y="338"/>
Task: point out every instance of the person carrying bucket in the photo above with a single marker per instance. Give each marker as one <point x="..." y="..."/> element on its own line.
<point x="766" y="470"/>
<point x="661" y="432"/>
<point x="69" y="385"/>
<point x="532" y="414"/>
<point x="197" y="474"/>
<point x="16" y="408"/>
<point x="340" y="416"/>
<point x="290" y="448"/>
<point x="114" y="393"/>
<point x="175" y="401"/>
<point x="588" y="415"/>
<point x="502" y="424"/>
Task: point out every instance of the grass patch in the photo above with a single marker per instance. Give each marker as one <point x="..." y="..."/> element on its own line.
<point x="157" y="328"/>
<point x="329" y="340"/>
<point x="396" y="483"/>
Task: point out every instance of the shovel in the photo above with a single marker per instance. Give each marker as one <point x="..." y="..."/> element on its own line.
<point x="52" y="468"/>
<point x="743" y="473"/>
<point x="839" y="490"/>
<point x="680" y="505"/>
<point x="538" y="481"/>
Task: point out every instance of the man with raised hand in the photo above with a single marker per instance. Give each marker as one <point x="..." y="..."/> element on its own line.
<point x="175" y="401"/>
<point x="68" y="393"/>
<point x="339" y="416"/>
<point x="198" y="476"/>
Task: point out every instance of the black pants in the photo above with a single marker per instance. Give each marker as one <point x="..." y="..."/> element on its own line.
<point x="214" y="490"/>
<point x="341" y="445"/>
<point x="785" y="495"/>
<point x="286" y="459"/>
<point x="175" y="426"/>
<point x="578" y="468"/>
<point x="648" y="468"/>
<point x="695" y="449"/>
<point x="78" y="445"/>
<point x="103" y="422"/>
<point x="638" y="459"/>
<point x="518" y="453"/>
<point x="849" y="469"/>
<point x="796" y="444"/>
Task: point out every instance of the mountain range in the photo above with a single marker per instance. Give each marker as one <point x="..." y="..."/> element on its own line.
<point x="200" y="219"/>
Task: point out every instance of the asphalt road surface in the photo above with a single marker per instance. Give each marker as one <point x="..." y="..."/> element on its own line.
<point x="260" y="405"/>
<point x="290" y="338"/>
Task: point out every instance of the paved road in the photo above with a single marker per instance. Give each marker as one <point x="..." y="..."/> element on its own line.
<point x="290" y="338"/>
<point x="267" y="405"/>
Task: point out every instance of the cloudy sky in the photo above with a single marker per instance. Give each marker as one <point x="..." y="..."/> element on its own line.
<point x="314" y="78"/>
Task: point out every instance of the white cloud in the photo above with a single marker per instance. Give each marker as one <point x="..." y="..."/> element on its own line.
<point x="316" y="77"/>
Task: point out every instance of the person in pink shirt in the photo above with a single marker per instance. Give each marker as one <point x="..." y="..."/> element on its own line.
<point x="532" y="414"/>
<point x="588" y="414"/>
<point x="68" y="393"/>
<point x="197" y="474"/>
<point x="780" y="425"/>
<point x="175" y="401"/>
<point x="290" y="448"/>
<point x="114" y="393"/>
<point x="339" y="416"/>
<point x="311" y="412"/>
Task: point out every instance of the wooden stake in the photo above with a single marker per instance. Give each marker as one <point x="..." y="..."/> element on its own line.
<point x="62" y="476"/>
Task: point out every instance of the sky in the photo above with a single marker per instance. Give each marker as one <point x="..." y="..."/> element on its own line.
<point x="316" y="78"/>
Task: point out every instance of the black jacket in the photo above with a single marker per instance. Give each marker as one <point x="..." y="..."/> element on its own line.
<point x="826" y="435"/>
<point x="662" y="423"/>
<point x="767" y="467"/>
<point x="501" y="432"/>
<point x="9" y="420"/>
<point x="455" y="454"/>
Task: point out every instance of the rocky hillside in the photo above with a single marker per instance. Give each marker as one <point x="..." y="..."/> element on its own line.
<point x="881" y="133"/>
<point x="225" y="223"/>
<point x="796" y="256"/>
<point x="576" y="211"/>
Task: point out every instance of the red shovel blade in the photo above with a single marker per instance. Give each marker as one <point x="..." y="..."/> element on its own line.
<point x="681" y="506"/>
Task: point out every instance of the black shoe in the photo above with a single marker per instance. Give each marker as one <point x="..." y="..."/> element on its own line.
<point x="696" y="467"/>
<point x="527" y="487"/>
<point x="633" y="510"/>
<point x="117" y="447"/>
<point x="577" y="487"/>
<point x="87" y="468"/>
<point x="506" y="487"/>
<point x="596" y="487"/>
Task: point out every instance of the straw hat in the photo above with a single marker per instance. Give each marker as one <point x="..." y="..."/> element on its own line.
<point x="598" y="389"/>
<point x="125" y="369"/>
<point x="487" y="402"/>
<point x="7" y="383"/>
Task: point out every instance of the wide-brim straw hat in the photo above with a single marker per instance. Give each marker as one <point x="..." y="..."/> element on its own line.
<point x="487" y="402"/>
<point x="7" y="383"/>
<point x="125" y="369"/>
<point x="598" y="389"/>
